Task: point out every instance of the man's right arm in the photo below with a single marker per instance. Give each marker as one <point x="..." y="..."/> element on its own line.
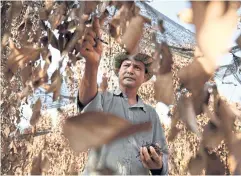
<point x="91" y="50"/>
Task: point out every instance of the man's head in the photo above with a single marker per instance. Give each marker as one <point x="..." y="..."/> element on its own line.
<point x="133" y="71"/>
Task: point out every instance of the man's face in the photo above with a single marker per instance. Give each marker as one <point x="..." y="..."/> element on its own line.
<point x="132" y="73"/>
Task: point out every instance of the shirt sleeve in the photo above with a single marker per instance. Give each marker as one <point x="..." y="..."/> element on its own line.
<point x="159" y="137"/>
<point x="96" y="104"/>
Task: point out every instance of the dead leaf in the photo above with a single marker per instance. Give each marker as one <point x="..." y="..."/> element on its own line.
<point x="133" y="34"/>
<point x="19" y="57"/>
<point x="39" y="75"/>
<point x="187" y="113"/>
<point x="103" y="17"/>
<point x="234" y="159"/>
<point x="104" y="83"/>
<point x="26" y="73"/>
<point x="36" y="112"/>
<point x="5" y="39"/>
<point x="55" y="20"/>
<point x="93" y="129"/>
<point x="164" y="88"/>
<point x="43" y="14"/>
<point x="196" y="165"/>
<point x="161" y="26"/>
<point x="214" y="166"/>
<point x="115" y="32"/>
<point x="73" y="58"/>
<point x="200" y="98"/>
<point x="25" y="92"/>
<point x="200" y="69"/>
<point x="90" y="6"/>
<point x="173" y="133"/>
<point x="45" y="164"/>
<point x="46" y="55"/>
<point x="166" y="61"/>
<point x="36" y="165"/>
<point x="26" y="25"/>
<point x="213" y="130"/>
<point x="49" y="4"/>
<point x="212" y="135"/>
<point x="12" y="147"/>
<point x="15" y="10"/>
<point x="186" y="15"/>
<point x="227" y="117"/>
<point x="215" y="23"/>
<point x="79" y="32"/>
<point x="56" y="94"/>
<point x="55" y="82"/>
<point x="52" y="39"/>
<point x="7" y="131"/>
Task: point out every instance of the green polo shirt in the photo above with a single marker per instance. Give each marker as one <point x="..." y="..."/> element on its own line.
<point x="122" y="155"/>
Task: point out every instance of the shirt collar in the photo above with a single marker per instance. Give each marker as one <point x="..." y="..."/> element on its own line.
<point x="140" y="103"/>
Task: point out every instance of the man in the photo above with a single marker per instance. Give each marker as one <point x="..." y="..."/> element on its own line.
<point x="122" y="155"/>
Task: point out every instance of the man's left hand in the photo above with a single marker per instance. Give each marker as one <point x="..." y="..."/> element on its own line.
<point x="152" y="160"/>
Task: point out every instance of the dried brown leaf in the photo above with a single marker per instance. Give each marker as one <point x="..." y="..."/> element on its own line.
<point x="46" y="55"/>
<point x="164" y="88"/>
<point x="19" y="57"/>
<point x="49" y="4"/>
<point x="186" y="15"/>
<point x="93" y="129"/>
<point x="55" y="20"/>
<point x="90" y="6"/>
<point x="45" y="164"/>
<point x="25" y="92"/>
<point x="5" y="39"/>
<point x="215" y="23"/>
<point x="52" y="39"/>
<point x="26" y="25"/>
<point x="200" y="98"/>
<point x="160" y="26"/>
<point x="133" y="34"/>
<point x="36" y="112"/>
<point x="36" y="165"/>
<point x="173" y="133"/>
<point x="166" y="61"/>
<point x="39" y="75"/>
<point x="56" y="94"/>
<point x="104" y="83"/>
<point x="43" y="14"/>
<point x="55" y="82"/>
<point x="196" y="165"/>
<point x="26" y="73"/>
<point x="15" y="10"/>
<point x="212" y="135"/>
<point x="103" y="17"/>
<point x="115" y="32"/>
<point x="187" y="113"/>
<point x="13" y="147"/>
<point x="200" y="69"/>
<point x="7" y="131"/>
<point x="212" y="132"/>
<point x="214" y="166"/>
<point x="234" y="159"/>
<point x="227" y="117"/>
<point x="79" y="32"/>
